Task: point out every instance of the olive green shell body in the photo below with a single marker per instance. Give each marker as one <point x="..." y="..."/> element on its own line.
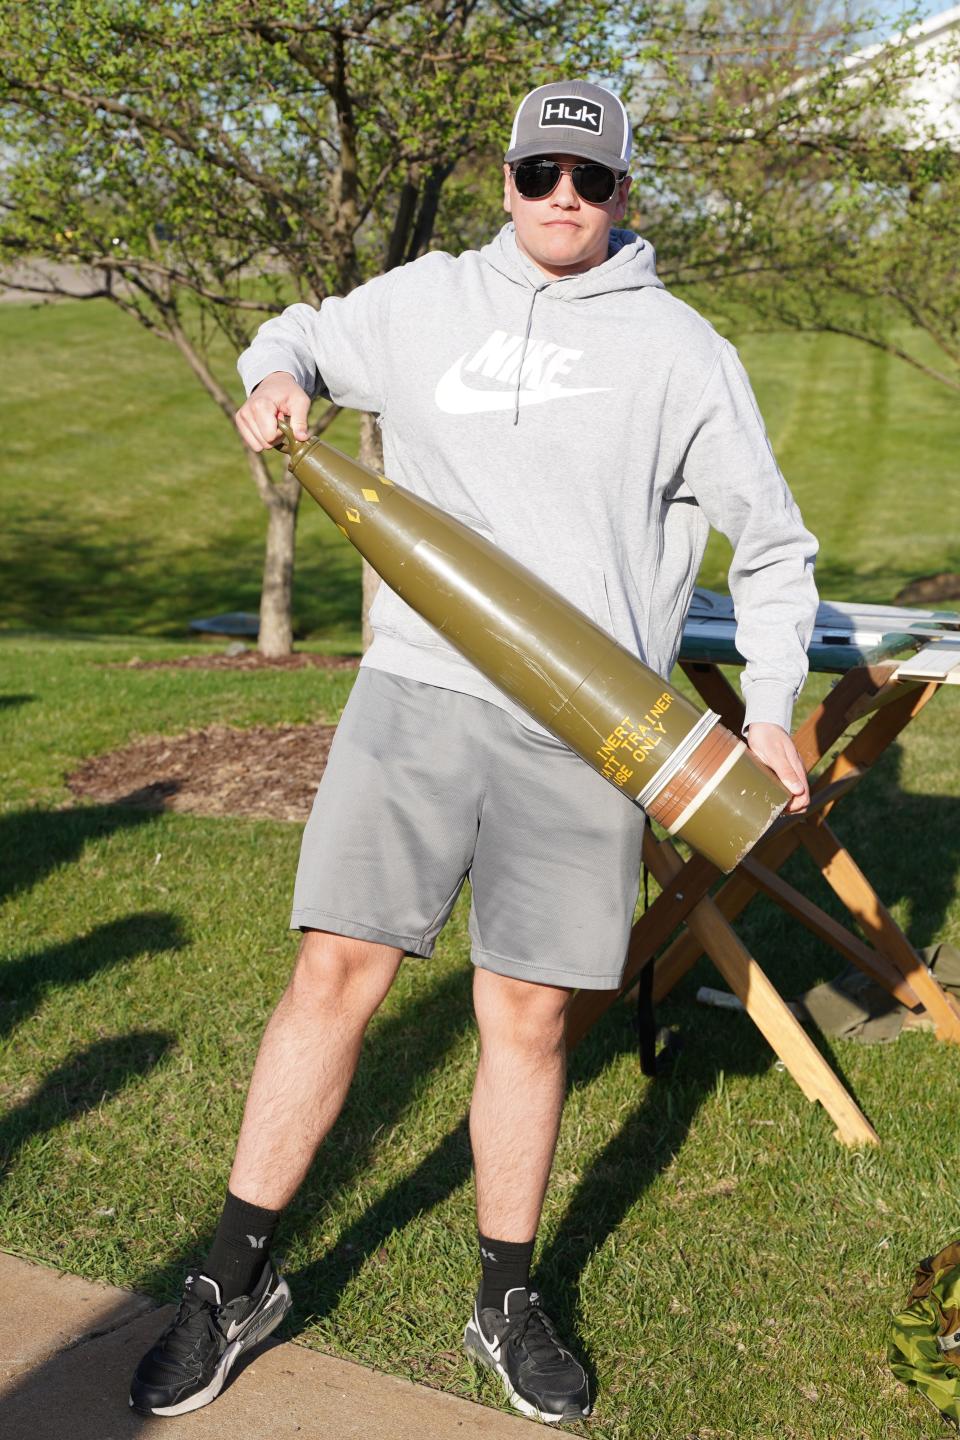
<point x="546" y="655"/>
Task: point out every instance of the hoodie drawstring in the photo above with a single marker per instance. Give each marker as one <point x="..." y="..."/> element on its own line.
<point x="523" y="353"/>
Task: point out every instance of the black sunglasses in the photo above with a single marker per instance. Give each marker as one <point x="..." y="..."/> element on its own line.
<point x="535" y="179"/>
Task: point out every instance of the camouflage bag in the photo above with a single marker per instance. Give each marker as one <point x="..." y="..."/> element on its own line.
<point x="924" y="1348"/>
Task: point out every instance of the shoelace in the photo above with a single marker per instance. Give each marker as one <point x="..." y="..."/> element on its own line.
<point x="194" y="1322"/>
<point x="535" y="1327"/>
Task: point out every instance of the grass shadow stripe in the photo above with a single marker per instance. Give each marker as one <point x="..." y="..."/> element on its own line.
<point x="24" y="982"/>
<point x="98" y="1073"/>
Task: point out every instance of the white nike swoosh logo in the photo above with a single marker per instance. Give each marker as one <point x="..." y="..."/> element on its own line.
<point x="492" y="1347"/>
<point x="455" y="397"/>
<point x="252" y="1322"/>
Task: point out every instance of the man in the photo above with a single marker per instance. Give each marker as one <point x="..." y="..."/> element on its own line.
<point x="549" y="392"/>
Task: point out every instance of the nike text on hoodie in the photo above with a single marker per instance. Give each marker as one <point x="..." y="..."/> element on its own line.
<point x="592" y="427"/>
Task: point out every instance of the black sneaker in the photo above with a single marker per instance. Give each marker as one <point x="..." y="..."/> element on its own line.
<point x="189" y="1364"/>
<point x="541" y="1377"/>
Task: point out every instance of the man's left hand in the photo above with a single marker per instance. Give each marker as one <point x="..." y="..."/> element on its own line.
<point x="772" y="745"/>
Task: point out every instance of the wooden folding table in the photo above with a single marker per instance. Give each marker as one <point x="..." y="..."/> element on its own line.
<point x="885" y="692"/>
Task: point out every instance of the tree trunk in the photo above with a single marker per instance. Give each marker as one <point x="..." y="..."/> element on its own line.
<point x="276" y="596"/>
<point x="371" y="453"/>
<point x="282" y="501"/>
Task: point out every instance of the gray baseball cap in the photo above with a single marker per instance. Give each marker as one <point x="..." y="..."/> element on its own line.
<point x="572" y="117"/>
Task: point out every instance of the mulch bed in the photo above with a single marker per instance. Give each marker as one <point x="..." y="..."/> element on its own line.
<point x="930" y="590"/>
<point x="268" y="771"/>
<point x="248" y="660"/>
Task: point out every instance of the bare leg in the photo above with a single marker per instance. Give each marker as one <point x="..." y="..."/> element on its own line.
<point x="517" y="1100"/>
<point x="306" y="1062"/>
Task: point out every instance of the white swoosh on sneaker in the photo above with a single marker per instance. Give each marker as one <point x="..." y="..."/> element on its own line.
<point x="257" y="1319"/>
<point x="455" y="397"/>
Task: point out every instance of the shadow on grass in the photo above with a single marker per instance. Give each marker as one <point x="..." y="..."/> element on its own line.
<point x="649" y="1138"/>
<point x="34" y="842"/>
<point x="62" y="577"/>
<point x="10" y="702"/>
<point x="398" y="1060"/>
<point x="80" y="1084"/>
<point x="404" y="1050"/>
<point x="651" y="1135"/>
<point x="38" y="1402"/>
<point x="908" y="847"/>
<point x="875" y="585"/>
<point x="25" y="982"/>
<point x="612" y="1183"/>
<point x="318" y="1287"/>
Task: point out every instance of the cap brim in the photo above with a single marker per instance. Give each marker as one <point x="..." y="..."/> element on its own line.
<point x="566" y="144"/>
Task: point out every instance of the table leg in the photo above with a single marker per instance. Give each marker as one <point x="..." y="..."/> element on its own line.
<point x="768" y="1011"/>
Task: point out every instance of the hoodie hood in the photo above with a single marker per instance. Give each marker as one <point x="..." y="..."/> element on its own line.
<point x="631" y="264"/>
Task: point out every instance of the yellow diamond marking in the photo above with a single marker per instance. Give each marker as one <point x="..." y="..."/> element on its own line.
<point x="385" y="480"/>
<point x="343" y="530"/>
<point x="353" y="515"/>
<point x="371" y="495"/>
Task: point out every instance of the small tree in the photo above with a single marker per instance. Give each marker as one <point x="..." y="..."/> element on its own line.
<point x="241" y="154"/>
<point x="171" y="296"/>
<point x="209" y="162"/>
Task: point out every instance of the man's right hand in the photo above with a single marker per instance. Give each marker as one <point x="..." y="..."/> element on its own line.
<point x="277" y="394"/>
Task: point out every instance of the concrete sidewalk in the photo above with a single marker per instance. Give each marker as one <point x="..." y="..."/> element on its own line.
<point x="68" y="1348"/>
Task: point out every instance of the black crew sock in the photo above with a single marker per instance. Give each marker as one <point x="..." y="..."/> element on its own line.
<point x="506" y="1266"/>
<point x="240" y="1247"/>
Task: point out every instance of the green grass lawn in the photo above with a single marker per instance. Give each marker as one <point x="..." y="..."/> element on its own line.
<point x="726" y="1266"/>
<point x="128" y="507"/>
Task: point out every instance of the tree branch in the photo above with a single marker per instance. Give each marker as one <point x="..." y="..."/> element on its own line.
<point x="234" y="163"/>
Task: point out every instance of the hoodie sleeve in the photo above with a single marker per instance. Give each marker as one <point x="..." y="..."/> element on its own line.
<point x="730" y="468"/>
<point x="339" y="349"/>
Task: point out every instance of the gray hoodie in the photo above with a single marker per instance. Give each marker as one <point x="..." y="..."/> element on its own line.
<point x="593" y="427"/>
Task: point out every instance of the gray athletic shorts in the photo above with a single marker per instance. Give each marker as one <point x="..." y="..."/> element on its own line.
<point x="425" y="788"/>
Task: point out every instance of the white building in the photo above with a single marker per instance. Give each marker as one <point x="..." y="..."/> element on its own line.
<point x="931" y="100"/>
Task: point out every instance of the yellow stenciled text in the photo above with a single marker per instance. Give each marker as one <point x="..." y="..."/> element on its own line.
<point x="634" y="740"/>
